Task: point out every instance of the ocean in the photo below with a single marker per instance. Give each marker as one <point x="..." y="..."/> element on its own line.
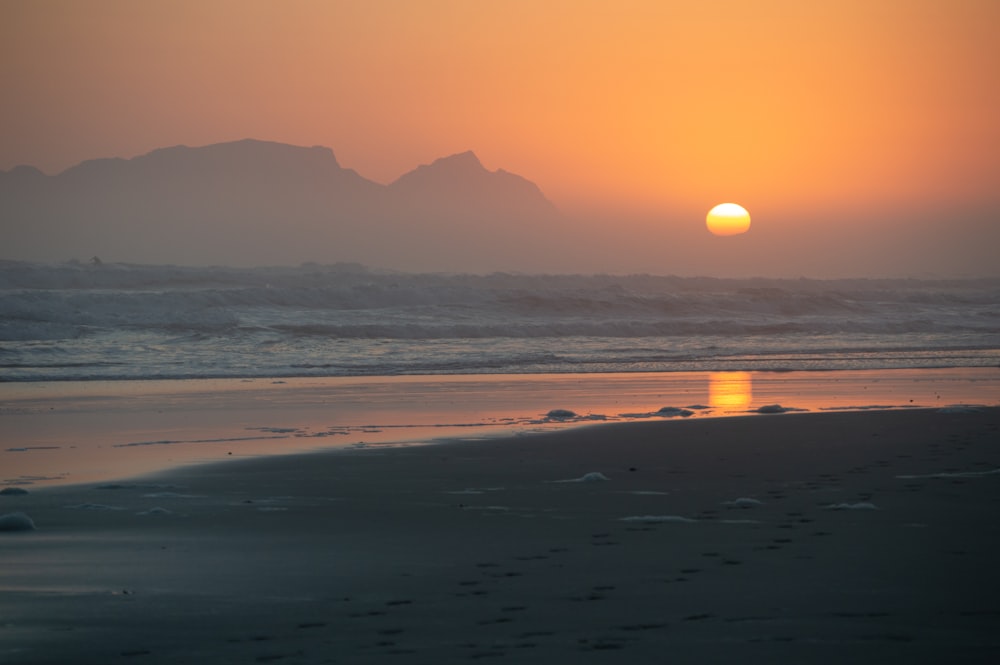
<point x="85" y="322"/>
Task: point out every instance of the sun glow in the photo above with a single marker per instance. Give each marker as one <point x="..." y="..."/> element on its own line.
<point x="728" y="219"/>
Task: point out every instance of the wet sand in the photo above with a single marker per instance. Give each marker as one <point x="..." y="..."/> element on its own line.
<point x="89" y="431"/>
<point x="863" y="537"/>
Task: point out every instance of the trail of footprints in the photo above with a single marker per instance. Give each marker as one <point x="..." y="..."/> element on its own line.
<point x="516" y="629"/>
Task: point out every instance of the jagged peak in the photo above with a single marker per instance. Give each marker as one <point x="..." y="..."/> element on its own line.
<point x="464" y="159"/>
<point x="459" y="165"/>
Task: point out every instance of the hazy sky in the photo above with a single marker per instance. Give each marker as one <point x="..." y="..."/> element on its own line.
<point x="872" y="111"/>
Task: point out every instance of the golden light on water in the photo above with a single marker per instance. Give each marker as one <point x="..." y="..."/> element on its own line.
<point x="728" y="219"/>
<point x="730" y="391"/>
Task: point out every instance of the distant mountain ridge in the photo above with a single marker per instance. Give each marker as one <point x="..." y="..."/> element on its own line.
<point x="254" y="202"/>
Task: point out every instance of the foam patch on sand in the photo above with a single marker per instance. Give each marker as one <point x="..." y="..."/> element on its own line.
<point x="16" y="522"/>
<point x="665" y="412"/>
<point x="170" y="442"/>
<point x="743" y="502"/>
<point x="134" y="486"/>
<point x="774" y="408"/>
<point x="868" y="407"/>
<point x="673" y="411"/>
<point x="156" y="511"/>
<point x="657" y="519"/>
<point x="861" y="505"/>
<point x="566" y="416"/>
<point x="953" y="474"/>
<point x="24" y="449"/>
<point x="172" y="495"/>
<point x="592" y="477"/>
<point x="961" y="408"/>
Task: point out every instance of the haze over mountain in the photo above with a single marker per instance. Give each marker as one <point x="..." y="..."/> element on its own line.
<point x="262" y="203"/>
<point x="254" y="203"/>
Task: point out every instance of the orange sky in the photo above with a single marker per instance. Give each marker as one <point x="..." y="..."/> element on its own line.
<point x="785" y="106"/>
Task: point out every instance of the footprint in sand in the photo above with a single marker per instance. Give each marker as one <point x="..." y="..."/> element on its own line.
<point x="642" y="626"/>
<point x="390" y="631"/>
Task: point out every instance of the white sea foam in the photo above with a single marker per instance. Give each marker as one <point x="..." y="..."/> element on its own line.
<point x="476" y="490"/>
<point x="592" y="477"/>
<point x="156" y="511"/>
<point x="133" y="486"/>
<point x="172" y="495"/>
<point x="655" y="519"/>
<point x="673" y="411"/>
<point x="961" y="408"/>
<point x="743" y="502"/>
<point x="127" y="321"/>
<point x="775" y="408"/>
<point x="665" y="412"/>
<point x="93" y="506"/>
<point x="861" y="505"/>
<point x="953" y="474"/>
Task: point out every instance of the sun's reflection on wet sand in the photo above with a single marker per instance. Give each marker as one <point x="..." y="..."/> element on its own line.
<point x="730" y="391"/>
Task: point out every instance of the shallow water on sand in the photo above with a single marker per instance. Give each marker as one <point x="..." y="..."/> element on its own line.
<point x="70" y="432"/>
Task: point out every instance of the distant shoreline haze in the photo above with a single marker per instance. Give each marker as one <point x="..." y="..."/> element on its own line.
<point x="261" y="203"/>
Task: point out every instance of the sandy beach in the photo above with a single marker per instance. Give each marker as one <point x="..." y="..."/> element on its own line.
<point x="864" y="536"/>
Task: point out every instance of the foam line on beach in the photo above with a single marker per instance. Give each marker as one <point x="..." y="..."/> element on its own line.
<point x="94" y="506"/>
<point x="156" y="510"/>
<point x="172" y="495"/>
<point x="664" y="412"/>
<point x="952" y="474"/>
<point x="25" y="449"/>
<point x="860" y="505"/>
<point x="170" y="442"/>
<point x="870" y="407"/>
<point x="743" y="502"/>
<point x="592" y="477"/>
<point x="658" y="519"/>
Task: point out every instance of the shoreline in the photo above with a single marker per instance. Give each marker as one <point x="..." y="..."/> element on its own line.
<point x="85" y="432"/>
<point x="863" y="536"/>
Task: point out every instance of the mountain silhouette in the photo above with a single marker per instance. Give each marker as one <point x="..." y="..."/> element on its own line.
<point x="462" y="181"/>
<point x="256" y="202"/>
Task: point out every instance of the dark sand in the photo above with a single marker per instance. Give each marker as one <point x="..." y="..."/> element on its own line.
<point x="467" y="551"/>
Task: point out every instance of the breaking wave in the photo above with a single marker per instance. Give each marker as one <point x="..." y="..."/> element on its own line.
<point x="113" y="321"/>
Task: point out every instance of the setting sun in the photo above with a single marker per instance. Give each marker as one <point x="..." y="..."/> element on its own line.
<point x="728" y="219"/>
